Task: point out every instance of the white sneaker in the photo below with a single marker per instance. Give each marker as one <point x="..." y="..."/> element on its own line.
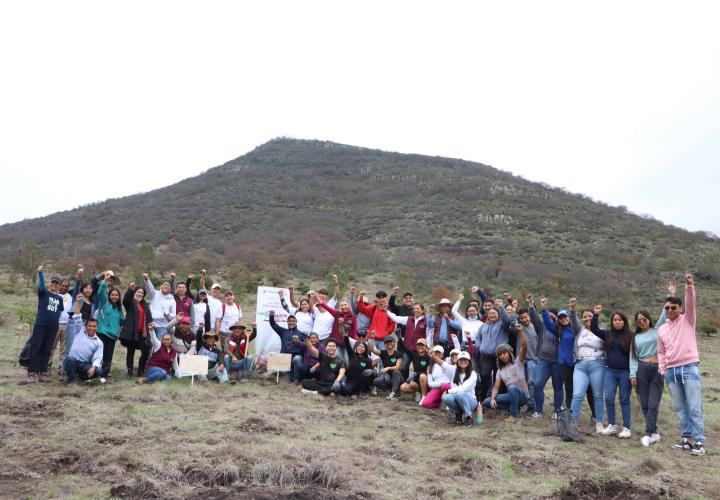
<point x="392" y="396"/>
<point x="421" y="401"/>
<point x="646" y="440"/>
<point x="598" y="427"/>
<point x="537" y="415"/>
<point x="373" y="391"/>
<point x="418" y="397"/>
<point x="609" y="430"/>
<point x="554" y="416"/>
<point x="103" y="380"/>
<point x="625" y="433"/>
<point x="655" y="438"/>
<point x="307" y="391"/>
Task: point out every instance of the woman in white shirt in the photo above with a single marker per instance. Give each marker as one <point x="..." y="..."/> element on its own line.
<point x="460" y="398"/>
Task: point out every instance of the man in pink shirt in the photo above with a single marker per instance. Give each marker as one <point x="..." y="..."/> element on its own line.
<point x="679" y="363"/>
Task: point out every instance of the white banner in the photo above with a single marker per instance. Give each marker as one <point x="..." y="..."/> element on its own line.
<point x="268" y="300"/>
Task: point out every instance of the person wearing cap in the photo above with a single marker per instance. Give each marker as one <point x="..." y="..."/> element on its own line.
<point x="437" y="377"/>
<point x="330" y="373"/>
<point x="565" y="332"/>
<point x="417" y="381"/>
<point x="380" y="324"/>
<point x="288" y="342"/>
<point x="414" y="328"/>
<point x="460" y="398"/>
<point x="230" y="313"/>
<point x="136" y="328"/>
<point x="403" y="309"/>
<point x="511" y="372"/>
<point x="443" y="326"/>
<point x="110" y="320"/>
<point x="183" y="337"/>
<point x="214" y="301"/>
<point x="236" y="356"/>
<point x="163" y="361"/>
<point x="389" y="378"/>
<point x="206" y="345"/>
<point x="162" y="305"/>
<point x="359" y="369"/>
<point x="453" y="356"/>
<point x="86" y="354"/>
<point x="47" y="320"/>
<point x="547" y="366"/>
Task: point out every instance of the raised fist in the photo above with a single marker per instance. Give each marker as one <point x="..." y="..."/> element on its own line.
<point x="172" y="276"/>
<point x="146" y="276"/>
<point x="474" y="289"/>
<point x="597" y="309"/>
<point x="396" y="290"/>
<point x="335" y="278"/>
<point x="689" y="279"/>
<point x="461" y="296"/>
<point x="543" y="303"/>
<point x="40" y="268"/>
<point x="203" y="272"/>
<point x="131" y="286"/>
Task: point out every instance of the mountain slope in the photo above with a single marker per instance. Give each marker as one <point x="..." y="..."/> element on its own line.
<point x="311" y="205"/>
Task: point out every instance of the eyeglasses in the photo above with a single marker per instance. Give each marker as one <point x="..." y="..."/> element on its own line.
<point x="671" y="308"/>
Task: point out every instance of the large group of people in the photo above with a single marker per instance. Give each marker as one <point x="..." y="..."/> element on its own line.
<point x="493" y="353"/>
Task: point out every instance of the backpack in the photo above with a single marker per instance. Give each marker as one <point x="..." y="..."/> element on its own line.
<point x="566" y="428"/>
<point x="223" y="310"/>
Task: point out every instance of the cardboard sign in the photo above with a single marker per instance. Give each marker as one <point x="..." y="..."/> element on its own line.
<point x="193" y="364"/>
<point x="278" y="362"/>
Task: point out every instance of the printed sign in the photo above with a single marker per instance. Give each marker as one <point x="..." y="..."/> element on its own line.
<point x="267" y="340"/>
<point x="278" y="362"/>
<point x="193" y="364"/>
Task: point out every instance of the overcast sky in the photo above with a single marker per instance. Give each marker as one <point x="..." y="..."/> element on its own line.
<point x="616" y="100"/>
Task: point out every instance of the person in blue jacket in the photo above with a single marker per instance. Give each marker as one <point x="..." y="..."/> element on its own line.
<point x="50" y="306"/>
<point x="288" y="336"/>
<point x="563" y="330"/>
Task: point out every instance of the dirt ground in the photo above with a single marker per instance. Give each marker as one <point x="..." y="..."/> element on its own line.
<point x="258" y="440"/>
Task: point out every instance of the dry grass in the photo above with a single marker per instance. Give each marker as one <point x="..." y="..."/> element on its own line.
<point x="259" y="440"/>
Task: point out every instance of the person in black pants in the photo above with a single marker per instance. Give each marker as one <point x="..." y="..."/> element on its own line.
<point x="136" y="328"/>
<point x="47" y="321"/>
<point x="331" y="372"/>
<point x="359" y="371"/>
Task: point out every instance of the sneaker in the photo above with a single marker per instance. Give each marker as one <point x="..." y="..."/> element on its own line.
<point x="392" y="396"/>
<point x="32" y="378"/>
<point x="307" y="391"/>
<point x="554" y="416"/>
<point x="458" y="418"/>
<point x="418" y="397"/>
<point x="142" y="380"/>
<point x="594" y="420"/>
<point x="625" y="433"/>
<point x="655" y="438"/>
<point x="683" y="444"/>
<point x="103" y="380"/>
<point x="646" y="440"/>
<point x="698" y="449"/>
<point x="537" y="415"/>
<point x="609" y="430"/>
<point x="598" y="428"/>
<point x="130" y="374"/>
<point x="45" y="377"/>
<point x="420" y="403"/>
<point x="468" y="421"/>
<point x="530" y="412"/>
<point x="373" y="391"/>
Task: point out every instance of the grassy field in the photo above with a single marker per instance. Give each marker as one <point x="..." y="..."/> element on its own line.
<point x="259" y="440"/>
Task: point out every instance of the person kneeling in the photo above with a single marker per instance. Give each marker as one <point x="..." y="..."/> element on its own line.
<point x="512" y="373"/>
<point x="390" y="377"/>
<point x="163" y="361"/>
<point x="85" y="357"/>
<point x="236" y="359"/>
<point x="330" y="373"/>
<point x="460" y="398"/>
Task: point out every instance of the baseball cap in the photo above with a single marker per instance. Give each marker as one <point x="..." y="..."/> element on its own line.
<point x="438" y="348"/>
<point x="389" y="338"/>
<point x="563" y="312"/>
<point x="201" y="291"/>
<point x="421" y="341"/>
<point x="55" y="279"/>
<point x="228" y="292"/>
<point x="454" y="351"/>
<point x="215" y="285"/>
<point x="186" y="320"/>
<point x="464" y="355"/>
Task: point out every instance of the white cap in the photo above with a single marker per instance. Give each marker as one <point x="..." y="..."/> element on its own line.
<point x="438" y="348"/>
<point x="215" y="285"/>
<point x="454" y="351"/>
<point x="464" y="355"/>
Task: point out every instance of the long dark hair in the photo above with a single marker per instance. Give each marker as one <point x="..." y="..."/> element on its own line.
<point x="467" y="372"/>
<point x="651" y="323"/>
<point x="627" y="335"/>
<point x="365" y="354"/>
<point x="117" y="305"/>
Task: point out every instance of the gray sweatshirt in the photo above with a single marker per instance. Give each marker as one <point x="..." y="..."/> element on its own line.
<point x="547" y="342"/>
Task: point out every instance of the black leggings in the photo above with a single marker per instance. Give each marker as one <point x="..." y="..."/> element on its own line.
<point x="321" y="387"/>
<point x="108" y="350"/>
<point x="130" y="359"/>
<point x="357" y="384"/>
<point x="567" y="376"/>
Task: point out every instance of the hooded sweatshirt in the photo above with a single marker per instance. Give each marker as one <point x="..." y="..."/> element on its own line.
<point x="676" y="342"/>
<point x="159" y="303"/>
<point x="566" y="339"/>
<point x="491" y="335"/>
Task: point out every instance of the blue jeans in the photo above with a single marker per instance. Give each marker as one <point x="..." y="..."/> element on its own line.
<point x="461" y="402"/>
<point x="684" y="384"/>
<point x="530" y="371"/>
<point x="544" y="371"/>
<point x="298" y="369"/>
<point x="239" y="365"/>
<point x="160" y="331"/>
<point x="155" y="373"/>
<point x="75" y="368"/>
<point x="510" y="401"/>
<point x="613" y="378"/>
<point x="588" y="372"/>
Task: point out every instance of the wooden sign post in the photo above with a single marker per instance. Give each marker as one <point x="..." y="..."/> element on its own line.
<point x="278" y="362"/>
<point x="193" y="365"/>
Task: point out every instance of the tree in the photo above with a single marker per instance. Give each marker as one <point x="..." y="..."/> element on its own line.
<point x="26" y="261"/>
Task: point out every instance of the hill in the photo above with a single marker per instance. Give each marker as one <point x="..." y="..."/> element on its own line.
<point x="300" y="208"/>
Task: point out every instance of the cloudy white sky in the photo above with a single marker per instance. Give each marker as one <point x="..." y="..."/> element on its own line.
<point x="617" y="100"/>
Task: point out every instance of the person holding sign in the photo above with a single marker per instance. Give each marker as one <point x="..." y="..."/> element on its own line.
<point x="206" y="345"/>
<point x="288" y="336"/>
<point x="163" y="361"/>
<point x="235" y="357"/>
<point x="330" y="374"/>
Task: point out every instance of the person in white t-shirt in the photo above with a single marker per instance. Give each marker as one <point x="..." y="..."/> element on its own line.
<point x="323" y="323"/>
<point x="229" y="314"/>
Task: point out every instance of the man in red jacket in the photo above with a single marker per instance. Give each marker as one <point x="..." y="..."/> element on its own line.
<point x="379" y="321"/>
